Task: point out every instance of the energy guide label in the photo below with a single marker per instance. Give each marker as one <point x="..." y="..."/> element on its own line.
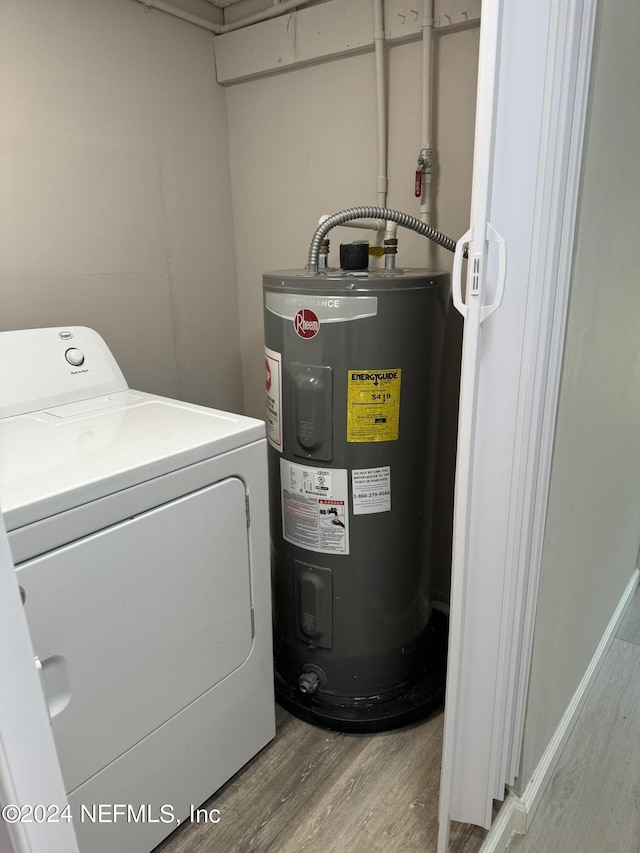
<point x="314" y="507"/>
<point x="373" y="405"/>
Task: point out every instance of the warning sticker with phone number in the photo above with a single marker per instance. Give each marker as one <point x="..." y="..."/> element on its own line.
<point x="373" y="405"/>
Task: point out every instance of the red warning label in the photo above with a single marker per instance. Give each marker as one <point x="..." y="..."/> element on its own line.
<point x="273" y="388"/>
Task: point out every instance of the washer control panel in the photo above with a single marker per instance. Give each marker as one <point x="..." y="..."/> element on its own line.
<point x="41" y="368"/>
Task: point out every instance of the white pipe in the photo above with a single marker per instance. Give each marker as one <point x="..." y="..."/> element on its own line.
<point x="381" y="106"/>
<point x="378" y="41"/>
<point x="427" y="85"/>
<point x="427" y="38"/>
<point x="219" y="29"/>
<point x="391" y="230"/>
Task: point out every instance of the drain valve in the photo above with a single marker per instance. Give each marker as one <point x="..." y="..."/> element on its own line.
<point x="311" y="679"/>
<point x="309" y="682"/>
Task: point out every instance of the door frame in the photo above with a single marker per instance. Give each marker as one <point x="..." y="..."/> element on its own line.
<point x="530" y="122"/>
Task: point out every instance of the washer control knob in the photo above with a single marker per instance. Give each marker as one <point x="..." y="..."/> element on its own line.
<point x="74" y="356"/>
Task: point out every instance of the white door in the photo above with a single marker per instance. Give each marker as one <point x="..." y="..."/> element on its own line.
<point x="32" y="796"/>
<point x="532" y="92"/>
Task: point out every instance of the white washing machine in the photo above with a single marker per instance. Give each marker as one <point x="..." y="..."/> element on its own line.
<point x="138" y="526"/>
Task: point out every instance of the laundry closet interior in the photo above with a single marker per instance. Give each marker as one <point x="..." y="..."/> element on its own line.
<point x="159" y="166"/>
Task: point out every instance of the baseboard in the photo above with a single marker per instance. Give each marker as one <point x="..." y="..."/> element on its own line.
<point x="516" y="814"/>
<point x="511" y="820"/>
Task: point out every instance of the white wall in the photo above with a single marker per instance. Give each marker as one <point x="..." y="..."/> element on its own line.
<point x="303" y="143"/>
<point x="115" y="197"/>
<point x="593" y="520"/>
<point x="116" y="201"/>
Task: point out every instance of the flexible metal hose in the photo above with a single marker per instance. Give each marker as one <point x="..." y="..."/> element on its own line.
<point x="373" y="213"/>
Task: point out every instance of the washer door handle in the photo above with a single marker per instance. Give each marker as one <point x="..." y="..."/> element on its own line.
<point x="43" y="687"/>
<point x="55" y="683"/>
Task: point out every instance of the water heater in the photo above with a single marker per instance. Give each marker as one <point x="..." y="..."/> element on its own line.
<point x="352" y="361"/>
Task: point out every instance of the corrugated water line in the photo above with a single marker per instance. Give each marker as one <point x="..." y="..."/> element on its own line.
<point x="380" y="213"/>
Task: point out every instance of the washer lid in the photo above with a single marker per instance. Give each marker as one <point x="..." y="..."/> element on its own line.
<point x="59" y="458"/>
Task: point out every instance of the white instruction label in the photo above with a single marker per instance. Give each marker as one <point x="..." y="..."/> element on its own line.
<point x="371" y="489"/>
<point x="273" y="386"/>
<point x="315" y="507"/>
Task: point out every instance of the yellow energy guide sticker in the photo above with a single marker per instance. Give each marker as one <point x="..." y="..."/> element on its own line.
<point x="373" y="405"/>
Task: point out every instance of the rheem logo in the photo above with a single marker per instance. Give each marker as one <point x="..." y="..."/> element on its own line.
<point x="306" y="323"/>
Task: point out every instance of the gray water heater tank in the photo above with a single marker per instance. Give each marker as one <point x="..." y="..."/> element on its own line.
<point x="353" y="363"/>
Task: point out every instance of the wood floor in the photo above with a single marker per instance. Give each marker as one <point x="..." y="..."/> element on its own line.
<point x="316" y="791"/>
<point x="592" y="804"/>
